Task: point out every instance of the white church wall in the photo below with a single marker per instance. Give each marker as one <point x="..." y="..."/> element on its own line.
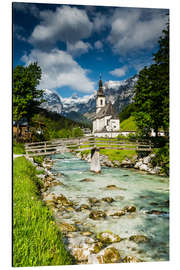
<point x="114" y="124"/>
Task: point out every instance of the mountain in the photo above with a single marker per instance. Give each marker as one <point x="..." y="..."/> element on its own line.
<point x="79" y="104"/>
<point x="120" y="93"/>
<point x="52" y="101"/>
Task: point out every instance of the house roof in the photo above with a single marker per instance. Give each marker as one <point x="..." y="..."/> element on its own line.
<point x="108" y="110"/>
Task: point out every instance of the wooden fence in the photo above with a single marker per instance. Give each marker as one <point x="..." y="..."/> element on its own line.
<point x="84" y="143"/>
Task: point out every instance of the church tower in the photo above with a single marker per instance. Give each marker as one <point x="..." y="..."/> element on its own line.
<point x="100" y="100"/>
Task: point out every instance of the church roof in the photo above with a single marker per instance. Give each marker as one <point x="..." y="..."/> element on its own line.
<point x="107" y="111"/>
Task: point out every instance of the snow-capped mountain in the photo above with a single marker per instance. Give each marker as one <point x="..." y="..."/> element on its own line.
<point x="78" y="104"/>
<point x="120" y="93"/>
<point x="53" y="102"/>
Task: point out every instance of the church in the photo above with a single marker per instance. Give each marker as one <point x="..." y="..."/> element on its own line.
<point x="106" y="122"/>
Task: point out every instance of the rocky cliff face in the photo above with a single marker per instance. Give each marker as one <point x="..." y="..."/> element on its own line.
<point x="53" y="102"/>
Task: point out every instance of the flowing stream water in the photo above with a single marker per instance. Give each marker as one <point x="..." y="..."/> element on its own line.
<point x="149" y="193"/>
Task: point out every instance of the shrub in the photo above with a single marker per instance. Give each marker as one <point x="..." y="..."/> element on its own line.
<point x="162" y="158"/>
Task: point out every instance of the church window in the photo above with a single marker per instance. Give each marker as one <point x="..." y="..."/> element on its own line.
<point x="101" y="101"/>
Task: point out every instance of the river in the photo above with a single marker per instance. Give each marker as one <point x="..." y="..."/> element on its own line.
<point x="148" y="193"/>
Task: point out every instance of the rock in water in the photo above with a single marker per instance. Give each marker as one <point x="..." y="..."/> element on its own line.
<point x="111" y="255"/>
<point x="97" y="214"/>
<point x="138" y="238"/>
<point x="95" y="161"/>
<point x="108" y="237"/>
<point x="87" y="180"/>
<point x="129" y="209"/>
<point x="130" y="259"/>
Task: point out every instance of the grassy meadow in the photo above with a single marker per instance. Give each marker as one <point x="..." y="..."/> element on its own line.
<point x="36" y="239"/>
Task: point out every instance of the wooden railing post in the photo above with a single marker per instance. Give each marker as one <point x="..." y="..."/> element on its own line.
<point x="136" y="145"/>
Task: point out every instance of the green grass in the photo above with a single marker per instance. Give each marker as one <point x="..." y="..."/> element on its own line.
<point x="36" y="239"/>
<point x="128" y="125"/>
<point x="118" y="154"/>
<point x="18" y="148"/>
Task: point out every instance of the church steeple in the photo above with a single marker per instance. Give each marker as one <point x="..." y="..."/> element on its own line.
<point x="100" y="90"/>
<point x="100" y="100"/>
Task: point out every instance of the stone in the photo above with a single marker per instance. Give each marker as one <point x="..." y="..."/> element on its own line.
<point x="95" y="162"/>
<point x="143" y="167"/>
<point x="112" y="187"/>
<point x="127" y="163"/>
<point x="138" y="238"/>
<point x="138" y="164"/>
<point x="111" y="255"/>
<point x="116" y="163"/>
<point x="86" y="233"/>
<point x="129" y="209"/>
<point x="80" y="254"/>
<point x="96" y="247"/>
<point x="118" y="213"/>
<point x="130" y="259"/>
<point x="108" y="237"/>
<point x="97" y="214"/>
<point x="83" y="207"/>
<point x="156" y="212"/>
<point x="147" y="160"/>
<point x="69" y="209"/>
<point x="62" y="200"/>
<point x="108" y="199"/>
<point x="87" y="180"/>
<point x="66" y="227"/>
<point x="93" y="200"/>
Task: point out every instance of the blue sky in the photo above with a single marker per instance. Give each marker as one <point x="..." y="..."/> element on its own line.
<point x="73" y="44"/>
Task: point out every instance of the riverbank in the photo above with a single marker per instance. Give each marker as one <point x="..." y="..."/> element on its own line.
<point x="36" y="238"/>
<point x="128" y="159"/>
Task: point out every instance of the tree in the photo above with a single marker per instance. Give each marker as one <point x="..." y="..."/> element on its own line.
<point x="26" y="98"/>
<point x="152" y="91"/>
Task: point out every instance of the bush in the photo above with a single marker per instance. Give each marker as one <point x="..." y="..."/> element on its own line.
<point x="162" y="158"/>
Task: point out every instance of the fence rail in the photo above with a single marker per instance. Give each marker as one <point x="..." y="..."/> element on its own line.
<point x="82" y="144"/>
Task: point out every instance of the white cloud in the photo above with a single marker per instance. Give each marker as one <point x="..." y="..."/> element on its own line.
<point x="78" y="48"/>
<point x="66" y="24"/>
<point x="119" y="72"/>
<point x="98" y="45"/>
<point x="59" y="69"/>
<point x="133" y="29"/>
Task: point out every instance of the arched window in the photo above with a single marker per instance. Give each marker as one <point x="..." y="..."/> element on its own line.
<point x="101" y="102"/>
